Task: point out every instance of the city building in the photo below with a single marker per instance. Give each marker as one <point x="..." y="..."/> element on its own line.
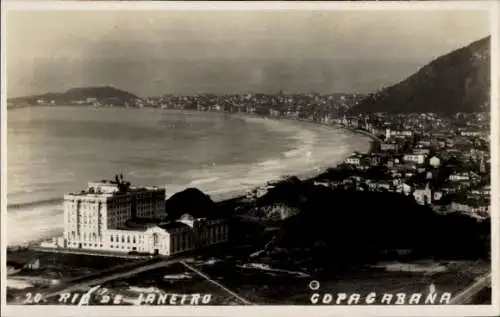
<point x="169" y="238"/>
<point x="389" y="133"/>
<point x="353" y="160"/>
<point x="434" y="162"/>
<point x="459" y="176"/>
<point x="106" y="217"/>
<point x="389" y="147"/>
<point x="416" y="158"/>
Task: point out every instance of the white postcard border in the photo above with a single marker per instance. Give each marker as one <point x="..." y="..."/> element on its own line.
<point x="403" y="310"/>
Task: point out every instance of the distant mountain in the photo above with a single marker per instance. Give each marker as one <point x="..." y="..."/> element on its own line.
<point x="99" y="93"/>
<point x="104" y="94"/>
<point x="456" y="82"/>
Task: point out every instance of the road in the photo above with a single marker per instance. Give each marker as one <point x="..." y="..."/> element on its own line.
<point x="467" y="295"/>
<point x="115" y="273"/>
<point x="114" y="269"/>
<point x="464" y="297"/>
<point x="89" y="252"/>
<point x="113" y="276"/>
<point x="218" y="284"/>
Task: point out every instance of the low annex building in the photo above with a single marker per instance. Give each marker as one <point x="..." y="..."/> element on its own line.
<point x="104" y="217"/>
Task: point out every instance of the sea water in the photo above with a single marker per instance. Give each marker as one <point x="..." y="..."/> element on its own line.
<point x="56" y="150"/>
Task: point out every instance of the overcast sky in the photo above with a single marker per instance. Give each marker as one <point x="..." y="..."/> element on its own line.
<point x="153" y="53"/>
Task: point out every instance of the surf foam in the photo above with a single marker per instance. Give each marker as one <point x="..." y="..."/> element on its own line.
<point x="316" y="147"/>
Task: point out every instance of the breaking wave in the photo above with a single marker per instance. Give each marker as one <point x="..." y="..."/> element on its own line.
<point x="37" y="203"/>
<point x="312" y="148"/>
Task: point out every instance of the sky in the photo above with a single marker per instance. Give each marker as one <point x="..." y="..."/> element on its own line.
<point x="154" y="53"/>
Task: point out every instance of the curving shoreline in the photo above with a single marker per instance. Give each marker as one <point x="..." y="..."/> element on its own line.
<point x="326" y="158"/>
<point x="303" y="176"/>
<point x="354" y="131"/>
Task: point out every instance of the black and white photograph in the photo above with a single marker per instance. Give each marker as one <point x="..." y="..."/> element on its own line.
<point x="329" y="158"/>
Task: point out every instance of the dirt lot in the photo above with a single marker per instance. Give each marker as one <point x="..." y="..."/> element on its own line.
<point x="267" y="287"/>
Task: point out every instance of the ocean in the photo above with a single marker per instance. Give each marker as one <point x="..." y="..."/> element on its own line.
<point x="56" y="150"/>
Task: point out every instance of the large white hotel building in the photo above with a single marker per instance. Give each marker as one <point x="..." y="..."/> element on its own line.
<point x="105" y="217"/>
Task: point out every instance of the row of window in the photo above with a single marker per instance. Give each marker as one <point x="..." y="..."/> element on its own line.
<point x="120" y="218"/>
<point x="122" y="247"/>
<point x="84" y="207"/>
<point x="120" y="209"/>
<point x="86" y="221"/>
<point x="134" y="239"/>
<point x="82" y="214"/>
<point x="84" y="236"/>
<point x="144" y="203"/>
<point x="182" y="242"/>
<point x="89" y="222"/>
<point x="96" y="245"/>
<point x="187" y="240"/>
<point x="76" y="244"/>
<point x="218" y="232"/>
<point x="144" y="213"/>
<point x="84" y="228"/>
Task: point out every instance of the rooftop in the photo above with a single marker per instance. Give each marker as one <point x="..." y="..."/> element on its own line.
<point x="93" y="193"/>
<point x="167" y="226"/>
<point x="142" y="224"/>
<point x="174" y="225"/>
<point x="109" y="188"/>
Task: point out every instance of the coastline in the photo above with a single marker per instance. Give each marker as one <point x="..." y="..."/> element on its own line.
<point x="234" y="200"/>
<point x="303" y="176"/>
<point x="225" y="198"/>
<point x="365" y="133"/>
<point x="331" y="125"/>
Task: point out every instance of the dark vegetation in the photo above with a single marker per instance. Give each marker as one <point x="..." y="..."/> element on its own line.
<point x="344" y="228"/>
<point x="456" y="82"/>
<point x="105" y="95"/>
<point x="191" y="201"/>
<point x="341" y="226"/>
